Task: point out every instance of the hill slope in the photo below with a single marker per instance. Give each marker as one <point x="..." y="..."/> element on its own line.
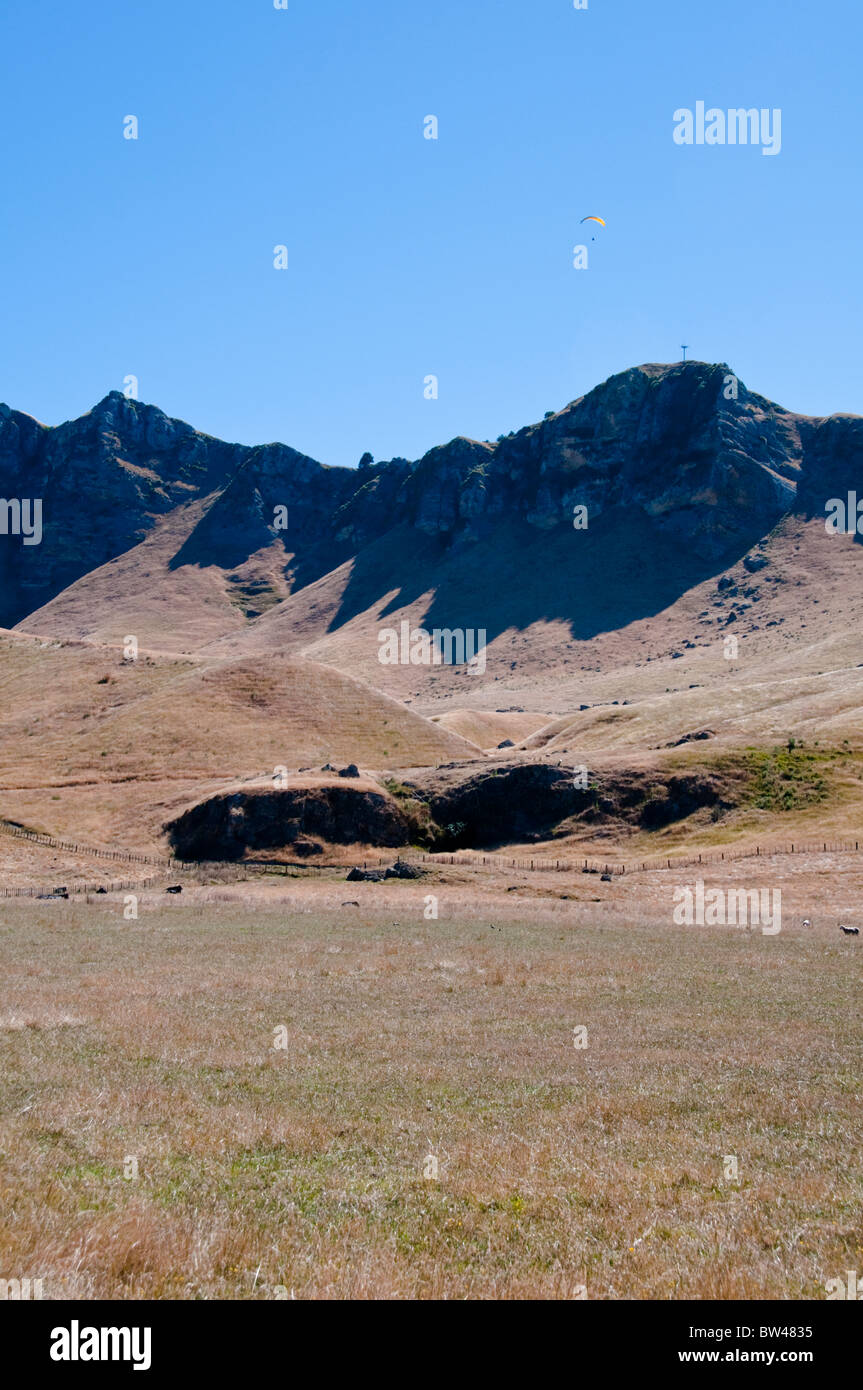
<point x="102" y="750"/>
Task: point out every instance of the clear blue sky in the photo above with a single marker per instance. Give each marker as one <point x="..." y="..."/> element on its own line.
<point x="409" y="256"/>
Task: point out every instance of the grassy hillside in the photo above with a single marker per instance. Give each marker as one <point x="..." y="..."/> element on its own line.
<point x="103" y="749"/>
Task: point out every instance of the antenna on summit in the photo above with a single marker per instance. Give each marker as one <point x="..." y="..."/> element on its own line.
<point x="684" y="346"/>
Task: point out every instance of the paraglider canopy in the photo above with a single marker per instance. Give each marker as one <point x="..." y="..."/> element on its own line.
<point x="591" y="218"/>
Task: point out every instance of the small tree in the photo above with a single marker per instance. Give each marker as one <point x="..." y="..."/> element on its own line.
<point x="367" y="460"/>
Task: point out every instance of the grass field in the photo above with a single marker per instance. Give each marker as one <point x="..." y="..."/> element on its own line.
<point x="269" y="1172"/>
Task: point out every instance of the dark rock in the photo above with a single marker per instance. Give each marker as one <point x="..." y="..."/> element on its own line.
<point x="507" y="743"/>
<point x="753" y="563"/>
<point x="365" y="876"/>
<point x="692" y="738"/>
<point x="679" y="797"/>
<point x="401" y="869"/>
<point x="225" y="826"/>
<point x="306" y="848"/>
<point x="350" y="771"/>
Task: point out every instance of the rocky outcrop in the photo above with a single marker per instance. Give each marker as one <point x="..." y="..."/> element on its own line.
<point x="688" y="446"/>
<point x="834" y="462"/>
<point x="230" y="825"/>
<point x="665" y="440"/>
<point x="485" y="808"/>
<point x="106" y="479"/>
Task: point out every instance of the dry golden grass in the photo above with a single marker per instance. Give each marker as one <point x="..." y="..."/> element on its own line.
<point x="488" y="728"/>
<point x="103" y="751"/>
<point x="107" y="752"/>
<point x="797" y="622"/>
<point x="302" y="1169"/>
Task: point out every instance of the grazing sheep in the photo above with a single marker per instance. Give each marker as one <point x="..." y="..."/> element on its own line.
<point x="806" y="922"/>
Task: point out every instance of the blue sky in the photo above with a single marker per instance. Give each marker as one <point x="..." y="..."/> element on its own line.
<point x="407" y="256"/>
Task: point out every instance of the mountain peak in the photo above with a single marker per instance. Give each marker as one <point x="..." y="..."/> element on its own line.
<point x="684" y="448"/>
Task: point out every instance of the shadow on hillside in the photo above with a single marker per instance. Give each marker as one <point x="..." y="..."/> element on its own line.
<point x="622" y="569"/>
<point x="230" y="539"/>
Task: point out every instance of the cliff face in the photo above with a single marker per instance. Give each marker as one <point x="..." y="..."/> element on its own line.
<point x="834" y="462"/>
<point x="103" y="480"/>
<point x="107" y="478"/>
<point x="712" y="468"/>
<point x="226" y="826"/>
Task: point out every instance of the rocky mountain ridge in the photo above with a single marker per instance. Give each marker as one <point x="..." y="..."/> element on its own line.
<point x="713" y="465"/>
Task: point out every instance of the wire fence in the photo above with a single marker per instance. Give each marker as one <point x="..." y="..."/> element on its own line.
<point x="473" y="858"/>
<point x="598" y="866"/>
<point x="72" y="847"/>
<point x="67" y="890"/>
